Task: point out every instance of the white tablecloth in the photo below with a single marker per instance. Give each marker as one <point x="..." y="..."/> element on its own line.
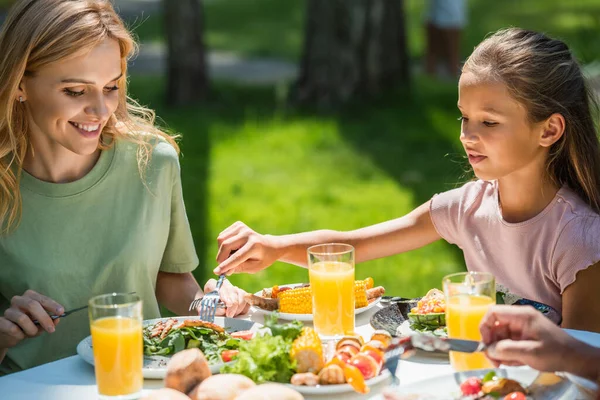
<point x="73" y="379"/>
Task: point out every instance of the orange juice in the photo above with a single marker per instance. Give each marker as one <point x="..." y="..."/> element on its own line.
<point x="332" y="284"/>
<point x="463" y="316"/>
<point x="118" y="358"/>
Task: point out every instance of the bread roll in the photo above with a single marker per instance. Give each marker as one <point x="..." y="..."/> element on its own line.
<point x="222" y="387"/>
<point x="270" y="391"/>
<point x="186" y="370"/>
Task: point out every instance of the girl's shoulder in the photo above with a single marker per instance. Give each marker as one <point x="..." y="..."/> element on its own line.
<point x="148" y="147"/>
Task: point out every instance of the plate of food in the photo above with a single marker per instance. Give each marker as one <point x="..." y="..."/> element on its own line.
<point x="427" y="314"/>
<point x="493" y="384"/>
<point x="295" y="355"/>
<point x="294" y="301"/>
<point x="164" y="337"/>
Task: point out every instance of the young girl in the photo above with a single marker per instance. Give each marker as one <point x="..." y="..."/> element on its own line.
<point x="90" y="190"/>
<point x="532" y="219"/>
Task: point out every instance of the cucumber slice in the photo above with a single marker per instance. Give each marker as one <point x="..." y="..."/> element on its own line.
<point x="432" y="320"/>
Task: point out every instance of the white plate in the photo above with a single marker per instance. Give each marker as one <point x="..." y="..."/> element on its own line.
<point x="446" y="387"/>
<point x="155" y="367"/>
<point x="308" y="317"/>
<point x="343" y="388"/>
<point x="428" y="357"/>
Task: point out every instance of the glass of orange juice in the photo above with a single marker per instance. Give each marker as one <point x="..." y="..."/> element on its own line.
<point x="468" y="297"/>
<point x="331" y="275"/>
<point x="116" y="325"/>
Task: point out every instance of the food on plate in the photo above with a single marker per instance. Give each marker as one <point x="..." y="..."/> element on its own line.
<point x="305" y="378"/>
<point x="171" y="336"/>
<point x="186" y="370"/>
<point x="430" y="310"/>
<point x="492" y="387"/>
<point x="165" y="394"/>
<point x="298" y="300"/>
<point x="222" y="387"/>
<point x="353" y="362"/>
<point x="307" y="351"/>
<point x="270" y="391"/>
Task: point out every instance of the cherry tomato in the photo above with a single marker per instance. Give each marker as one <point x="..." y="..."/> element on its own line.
<point x="246" y="335"/>
<point x="470" y="386"/>
<point x="515" y="396"/>
<point x="228" y="355"/>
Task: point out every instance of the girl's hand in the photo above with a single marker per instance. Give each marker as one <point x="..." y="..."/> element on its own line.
<point x="17" y="323"/>
<point x="232" y="296"/>
<point x="243" y="250"/>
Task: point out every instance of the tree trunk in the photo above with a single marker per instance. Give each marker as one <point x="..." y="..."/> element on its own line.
<point x="352" y="48"/>
<point x="187" y="79"/>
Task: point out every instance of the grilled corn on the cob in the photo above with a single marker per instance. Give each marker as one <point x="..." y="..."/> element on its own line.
<point x="299" y="300"/>
<point x="307" y="350"/>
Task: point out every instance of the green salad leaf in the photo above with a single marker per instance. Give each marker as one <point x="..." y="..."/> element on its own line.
<point x="289" y="331"/>
<point x="211" y="342"/>
<point x="264" y="359"/>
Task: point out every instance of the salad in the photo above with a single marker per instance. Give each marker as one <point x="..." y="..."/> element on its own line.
<point x="429" y="316"/>
<point x="292" y="353"/>
<point x="168" y="337"/>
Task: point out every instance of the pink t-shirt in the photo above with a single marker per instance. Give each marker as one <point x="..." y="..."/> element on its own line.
<point x="536" y="259"/>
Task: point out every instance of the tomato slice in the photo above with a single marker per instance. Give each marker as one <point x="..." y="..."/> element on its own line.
<point x="227" y="355"/>
<point x="246" y="335"/>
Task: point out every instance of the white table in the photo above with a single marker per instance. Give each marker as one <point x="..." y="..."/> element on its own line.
<point x="73" y="379"/>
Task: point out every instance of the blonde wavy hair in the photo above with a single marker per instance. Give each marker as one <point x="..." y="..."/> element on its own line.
<point x="37" y="33"/>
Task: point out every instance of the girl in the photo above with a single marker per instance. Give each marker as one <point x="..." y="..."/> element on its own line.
<point x="90" y="189"/>
<point x="532" y="219"/>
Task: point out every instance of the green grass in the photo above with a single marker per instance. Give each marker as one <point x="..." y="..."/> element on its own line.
<point x="247" y="158"/>
<point x="275" y="28"/>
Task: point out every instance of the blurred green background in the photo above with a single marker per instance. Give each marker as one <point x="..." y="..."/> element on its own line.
<point x="249" y="157"/>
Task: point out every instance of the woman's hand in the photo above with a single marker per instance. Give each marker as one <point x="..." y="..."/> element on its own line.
<point x="243" y="250"/>
<point x="17" y="323"/>
<point x="232" y="296"/>
<point x="521" y="335"/>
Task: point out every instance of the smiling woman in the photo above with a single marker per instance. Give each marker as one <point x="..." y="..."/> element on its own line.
<point x="90" y="190"/>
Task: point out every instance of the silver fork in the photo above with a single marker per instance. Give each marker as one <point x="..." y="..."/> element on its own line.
<point x="209" y="302"/>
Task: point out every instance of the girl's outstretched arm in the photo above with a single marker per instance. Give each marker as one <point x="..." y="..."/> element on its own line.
<point x="243" y="250"/>
<point x="581" y="302"/>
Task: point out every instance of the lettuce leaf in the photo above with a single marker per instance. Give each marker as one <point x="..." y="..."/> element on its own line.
<point x="264" y="359"/>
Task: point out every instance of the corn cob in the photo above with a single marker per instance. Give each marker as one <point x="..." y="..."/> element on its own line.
<point x="299" y="300"/>
<point x="296" y="301"/>
<point x="307" y="350"/>
<point x="360" y="294"/>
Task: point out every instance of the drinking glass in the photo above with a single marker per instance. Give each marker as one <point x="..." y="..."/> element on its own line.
<point x="331" y="274"/>
<point x="468" y="297"/>
<point x="116" y="325"/>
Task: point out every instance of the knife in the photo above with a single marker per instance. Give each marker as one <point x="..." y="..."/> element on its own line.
<point x="404" y="347"/>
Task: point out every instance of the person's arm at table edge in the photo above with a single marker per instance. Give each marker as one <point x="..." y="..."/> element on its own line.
<point x="176" y="291"/>
<point x="412" y="231"/>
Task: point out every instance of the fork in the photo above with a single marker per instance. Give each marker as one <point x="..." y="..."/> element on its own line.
<point x="209" y="302"/>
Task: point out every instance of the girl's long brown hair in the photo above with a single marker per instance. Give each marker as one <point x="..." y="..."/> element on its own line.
<point x="37" y="33"/>
<point x="542" y="74"/>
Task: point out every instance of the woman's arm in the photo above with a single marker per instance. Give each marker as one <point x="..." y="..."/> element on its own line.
<point x="254" y="252"/>
<point x="176" y="291"/>
<point x="581" y="303"/>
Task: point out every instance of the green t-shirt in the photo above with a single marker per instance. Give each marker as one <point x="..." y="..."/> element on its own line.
<point x="108" y="232"/>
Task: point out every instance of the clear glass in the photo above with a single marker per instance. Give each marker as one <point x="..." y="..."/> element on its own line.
<point x="331" y="274"/>
<point x="116" y="325"/>
<point x="468" y="297"/>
